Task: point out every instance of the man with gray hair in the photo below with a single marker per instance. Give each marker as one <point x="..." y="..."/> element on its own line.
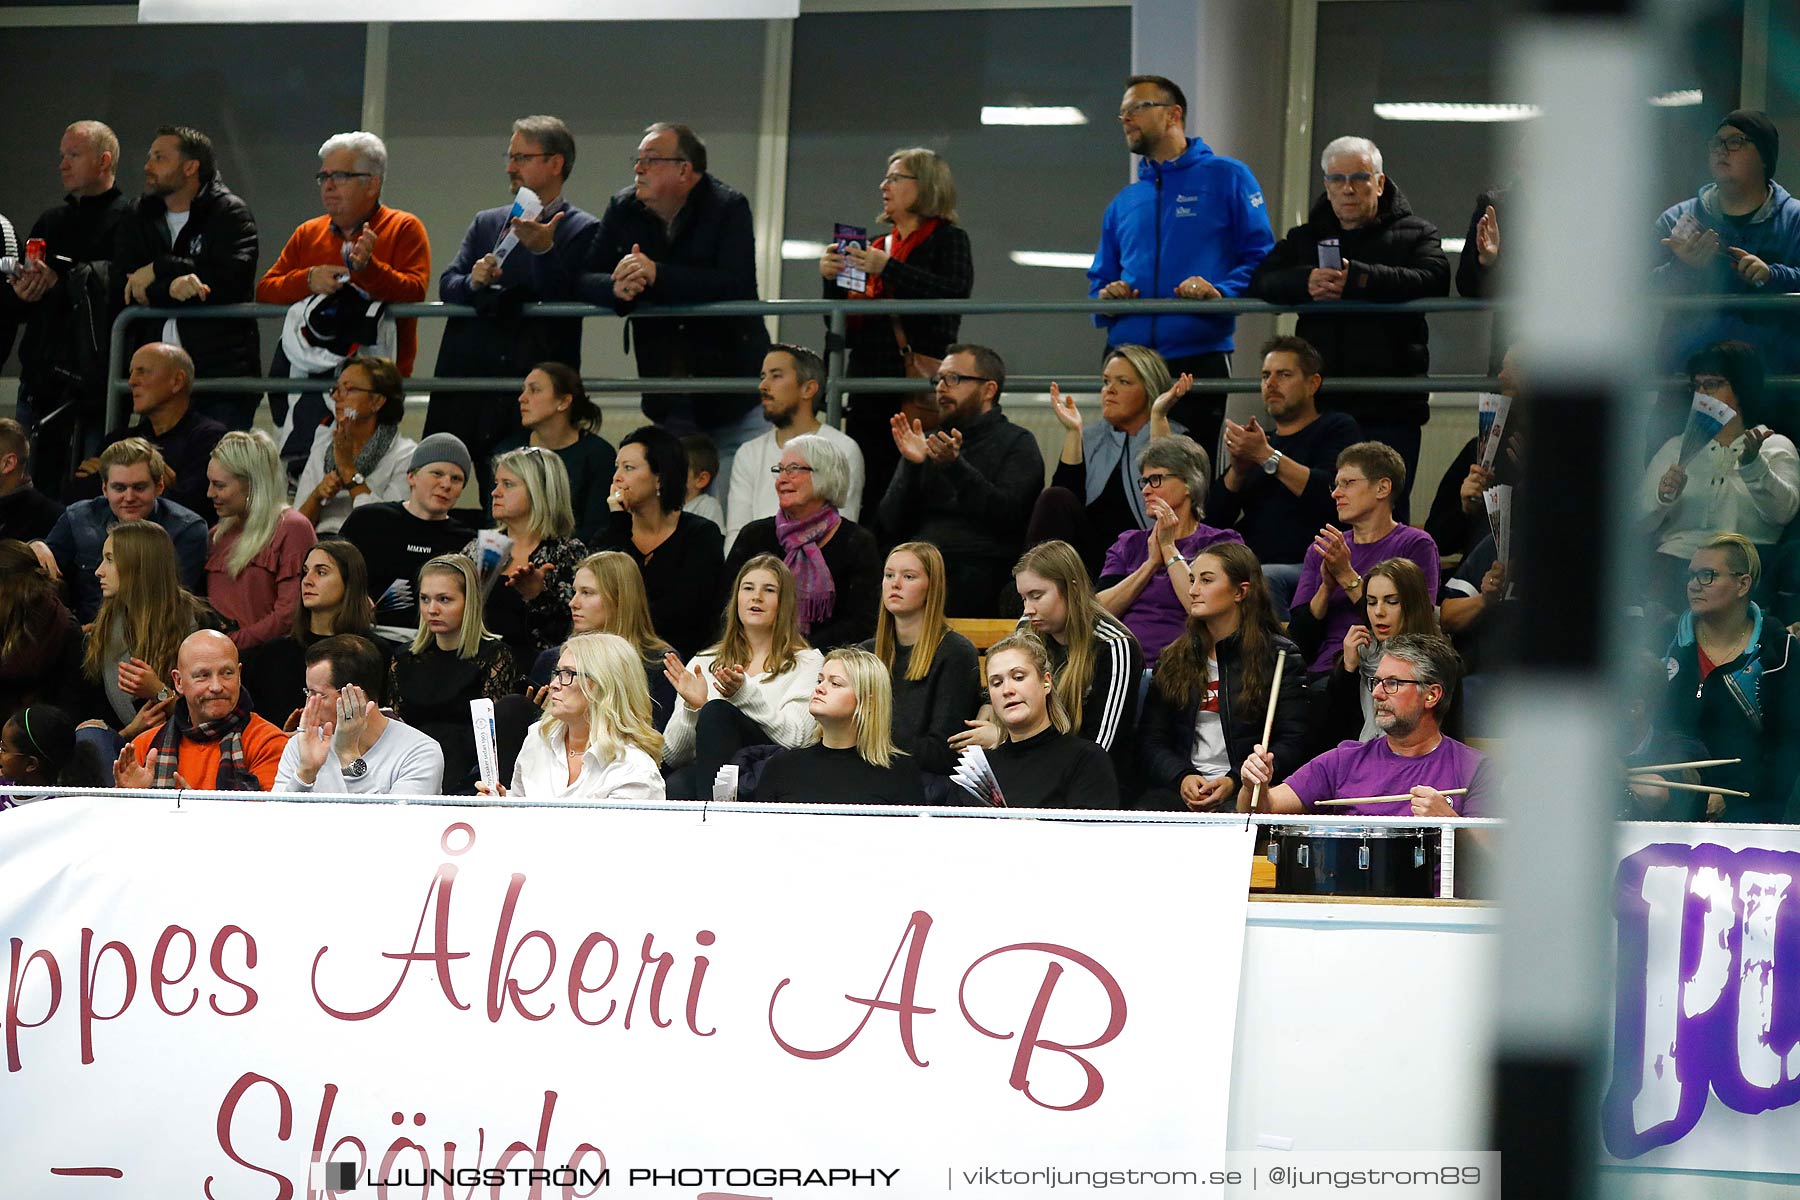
<point x="505" y="263"/>
<point x="380" y="252"/>
<point x="1363" y="242"/>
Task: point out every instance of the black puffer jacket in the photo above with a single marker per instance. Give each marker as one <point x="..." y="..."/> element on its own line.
<point x="219" y="244"/>
<point x="1396" y="257"/>
<point x="1167" y="729"/>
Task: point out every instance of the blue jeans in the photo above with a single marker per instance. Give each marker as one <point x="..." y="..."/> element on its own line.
<point x="1282" y="579"/>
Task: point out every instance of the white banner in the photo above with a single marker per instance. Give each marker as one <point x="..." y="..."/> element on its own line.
<point x="1706" y="1026"/>
<point x="204" y="1000"/>
<point x="356" y="12"/>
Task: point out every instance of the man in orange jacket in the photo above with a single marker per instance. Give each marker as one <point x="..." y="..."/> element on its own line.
<point x="211" y="741"/>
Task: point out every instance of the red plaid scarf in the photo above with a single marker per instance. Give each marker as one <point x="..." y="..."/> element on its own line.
<point x="234" y="769"/>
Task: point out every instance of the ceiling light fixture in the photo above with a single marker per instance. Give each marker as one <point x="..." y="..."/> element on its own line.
<point x="1486" y="114"/>
<point x="1032" y="114"/>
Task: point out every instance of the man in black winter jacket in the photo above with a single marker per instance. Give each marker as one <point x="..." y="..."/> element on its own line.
<point x="679" y="236"/>
<point x="1388" y="254"/>
<point x="62" y="305"/>
<point x="190" y="241"/>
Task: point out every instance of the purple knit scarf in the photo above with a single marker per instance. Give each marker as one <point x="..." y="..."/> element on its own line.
<point x="800" y="551"/>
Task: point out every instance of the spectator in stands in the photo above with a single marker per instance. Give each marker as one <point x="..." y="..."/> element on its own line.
<point x="1646" y="740"/>
<point x="835" y="562"/>
<point x="69" y="294"/>
<point x="162" y="381"/>
<point x="260" y="542"/>
<point x="924" y="256"/>
<point x="529" y="606"/>
<point x="558" y="415"/>
<point x="1475" y="608"/>
<point x="969" y="486"/>
<point x="190" y="241"/>
<point x="1210" y="694"/>
<point x="452" y="660"/>
<point x="1413" y="683"/>
<point x="1389" y="254"/>
<point x="679" y="236"/>
<point x="609" y="598"/>
<point x="25" y="513"/>
<point x="1276" y="489"/>
<point x="133" y="475"/>
<point x="1396" y="601"/>
<point x="1478" y="272"/>
<point x="1369" y="476"/>
<point x="37" y="747"/>
<point x="334" y="584"/>
<point x="703" y="468"/>
<point x="681" y="556"/>
<point x="937" y="686"/>
<point x="1745" y="479"/>
<point x="853" y="759"/>
<point x="144" y="615"/>
<point x="1734" y="682"/>
<point x="505" y="263"/>
<point x="400" y="537"/>
<point x="1458" y="520"/>
<point x="749" y="689"/>
<point x="1145" y="579"/>
<point x="1740" y="234"/>
<point x="1041" y="764"/>
<point x="1093" y="497"/>
<point x="597" y="739"/>
<point x="345" y="744"/>
<point x="361" y="457"/>
<point x="1158" y="244"/>
<point x="211" y="741"/>
<point x="40" y="643"/>
<point x="1098" y="663"/>
<point x="381" y="252"/>
<point x="791" y="377"/>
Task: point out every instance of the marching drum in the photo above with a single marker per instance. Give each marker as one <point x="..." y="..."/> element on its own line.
<point x="1355" y="860"/>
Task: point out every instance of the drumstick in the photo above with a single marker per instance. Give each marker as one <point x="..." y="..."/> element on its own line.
<point x="1686" y="766"/>
<point x="1269" y="720"/>
<point x="1691" y="787"/>
<point x="1408" y="796"/>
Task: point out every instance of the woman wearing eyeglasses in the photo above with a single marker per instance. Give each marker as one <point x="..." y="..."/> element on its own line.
<point x="1146" y="577"/>
<point x="1734" y="683"/>
<point x="924" y="256"/>
<point x="361" y="457"/>
<point x="596" y="740"/>
<point x="835" y="562"/>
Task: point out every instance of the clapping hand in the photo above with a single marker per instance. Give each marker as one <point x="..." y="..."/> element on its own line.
<point x="944" y="448"/>
<point x="1753" y="443"/>
<point x="909" y="438"/>
<point x="1487" y="237"/>
<point x="313" y="738"/>
<point x="1334" y="553"/>
<point x="728" y="679"/>
<point x="1248" y="445"/>
<point x="1696" y="249"/>
<point x="362" y="253"/>
<point x="1064" y="407"/>
<point x="690" y="685"/>
<point x="1159" y="408"/>
<point x="128" y="774"/>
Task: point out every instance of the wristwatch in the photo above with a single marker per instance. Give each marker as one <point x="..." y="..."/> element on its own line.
<point x="1272" y="463"/>
<point x="357" y="480"/>
<point x="356" y="769"/>
<point x="164" y="694"/>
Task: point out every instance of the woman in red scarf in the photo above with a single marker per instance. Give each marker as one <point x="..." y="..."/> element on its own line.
<point x="835" y="562"/>
<point x="925" y="256"/>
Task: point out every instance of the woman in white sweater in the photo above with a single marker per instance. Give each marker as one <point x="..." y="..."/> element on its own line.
<point x="750" y="689"/>
<point x="597" y="740"/>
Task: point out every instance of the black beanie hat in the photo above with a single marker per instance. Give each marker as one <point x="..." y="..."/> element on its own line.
<point x="1761" y="131"/>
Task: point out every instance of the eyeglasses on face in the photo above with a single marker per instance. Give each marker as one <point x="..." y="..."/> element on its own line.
<point x="344" y="389"/>
<point x="1355" y="178"/>
<point x="513" y="160"/>
<point x="791" y="469"/>
<point x="951" y="379"/>
<point x="1132" y="110"/>
<point x="1733" y="144"/>
<point x="646" y="161"/>
<point x="1707" y="576"/>
<point x="1390" y="685"/>
<point x="893" y="177"/>
<point x="564" y="676"/>
<point x="340" y="177"/>
<point x="1156" y="479"/>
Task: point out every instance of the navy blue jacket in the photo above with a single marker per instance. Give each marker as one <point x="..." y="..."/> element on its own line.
<point x="80" y="534"/>
<point x="506" y="344"/>
<point x="1772" y="233"/>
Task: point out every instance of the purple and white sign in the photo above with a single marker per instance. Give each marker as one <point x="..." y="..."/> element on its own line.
<point x="1706" y="1023"/>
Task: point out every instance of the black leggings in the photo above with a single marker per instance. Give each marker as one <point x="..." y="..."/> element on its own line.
<point x="721" y="731"/>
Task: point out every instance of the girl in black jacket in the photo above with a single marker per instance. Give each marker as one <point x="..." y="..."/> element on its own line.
<point x="1208" y="699"/>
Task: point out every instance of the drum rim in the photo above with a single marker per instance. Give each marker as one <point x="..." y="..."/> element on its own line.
<point x="1359" y="832"/>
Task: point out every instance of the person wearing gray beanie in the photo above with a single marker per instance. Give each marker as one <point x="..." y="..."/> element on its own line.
<point x="1761" y="133"/>
<point x="442" y="447"/>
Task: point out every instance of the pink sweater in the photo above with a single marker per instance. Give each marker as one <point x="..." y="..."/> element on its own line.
<point x="263" y="597"/>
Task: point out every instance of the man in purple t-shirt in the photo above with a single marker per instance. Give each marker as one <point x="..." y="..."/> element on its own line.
<point x="1412" y="758"/>
<point x="1329" y="595"/>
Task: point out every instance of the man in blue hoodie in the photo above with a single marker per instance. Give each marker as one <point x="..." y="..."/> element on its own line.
<point x="1193" y="227"/>
<point x="1740" y="234"/>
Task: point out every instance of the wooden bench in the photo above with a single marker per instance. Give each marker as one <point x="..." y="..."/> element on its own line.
<point x="984" y="632"/>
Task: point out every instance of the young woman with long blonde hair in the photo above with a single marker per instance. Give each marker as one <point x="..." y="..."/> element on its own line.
<point x="256" y="550"/>
<point x="144" y="615"/>
<point x="609" y="598"/>
<point x="854" y="760"/>
<point x="935" y="671"/>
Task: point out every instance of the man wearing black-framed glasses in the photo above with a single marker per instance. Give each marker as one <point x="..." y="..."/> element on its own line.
<point x="1192" y="226"/>
<point x="678" y="235"/>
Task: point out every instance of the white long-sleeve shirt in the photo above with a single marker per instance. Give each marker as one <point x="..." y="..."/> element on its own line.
<point x="540" y="772"/>
<point x="1722" y="495"/>
<point x="402" y="762"/>
<point x="778" y="705"/>
<point x="751" y="496"/>
<point x="386" y="482"/>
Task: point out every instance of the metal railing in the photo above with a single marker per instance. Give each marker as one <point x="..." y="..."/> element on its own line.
<point x="837" y="314"/>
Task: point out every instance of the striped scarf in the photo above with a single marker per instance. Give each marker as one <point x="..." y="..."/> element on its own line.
<point x="234" y="769"/>
<point x="812" y="578"/>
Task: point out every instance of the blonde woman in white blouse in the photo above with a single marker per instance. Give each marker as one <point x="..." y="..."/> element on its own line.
<point x="597" y="740"/>
<point x="750" y="689"/>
